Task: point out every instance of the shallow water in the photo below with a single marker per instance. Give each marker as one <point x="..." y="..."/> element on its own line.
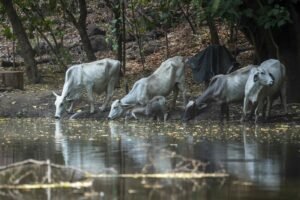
<point x="263" y="161"/>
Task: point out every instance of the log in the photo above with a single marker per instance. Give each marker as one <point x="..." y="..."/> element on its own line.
<point x="12" y="79"/>
<point x="5" y="63"/>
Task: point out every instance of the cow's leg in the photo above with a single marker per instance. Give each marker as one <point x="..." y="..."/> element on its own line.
<point x="245" y="108"/>
<point x="89" y="90"/>
<point x="258" y="110"/>
<point x="175" y="94"/>
<point x="268" y="107"/>
<point x="165" y="116"/>
<point x="70" y="109"/>
<point x="224" y="111"/>
<point x="181" y="87"/>
<point x="134" y="115"/>
<point x="283" y="98"/>
<point x="109" y="94"/>
<point x="252" y="109"/>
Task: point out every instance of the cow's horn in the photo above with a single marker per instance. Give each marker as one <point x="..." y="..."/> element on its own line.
<point x="55" y="94"/>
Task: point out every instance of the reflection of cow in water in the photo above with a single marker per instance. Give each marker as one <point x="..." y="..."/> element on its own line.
<point x="254" y="162"/>
<point x="91" y="156"/>
<point x="140" y="150"/>
<point x="249" y="160"/>
<point x="78" y="153"/>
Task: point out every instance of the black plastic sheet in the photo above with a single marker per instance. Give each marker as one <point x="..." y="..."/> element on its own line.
<point x="213" y="60"/>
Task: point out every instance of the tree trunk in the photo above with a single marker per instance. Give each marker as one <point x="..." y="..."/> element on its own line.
<point x="123" y="37"/>
<point x="86" y="43"/>
<point x="81" y="26"/>
<point x="26" y="49"/>
<point x="214" y="36"/>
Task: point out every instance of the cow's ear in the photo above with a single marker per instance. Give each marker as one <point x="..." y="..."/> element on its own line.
<point x="56" y="95"/>
<point x="255" y="77"/>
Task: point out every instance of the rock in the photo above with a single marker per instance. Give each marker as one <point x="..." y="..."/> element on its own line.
<point x="92" y="29"/>
<point x="99" y="43"/>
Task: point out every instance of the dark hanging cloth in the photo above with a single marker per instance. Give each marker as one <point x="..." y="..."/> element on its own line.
<point x="213" y="60"/>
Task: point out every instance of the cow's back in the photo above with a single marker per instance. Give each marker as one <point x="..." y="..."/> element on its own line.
<point x="100" y="72"/>
<point x="235" y="84"/>
<point x="174" y="62"/>
<point x="168" y="74"/>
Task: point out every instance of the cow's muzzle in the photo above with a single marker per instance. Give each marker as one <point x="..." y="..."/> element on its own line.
<point x="57" y="117"/>
<point x="271" y="83"/>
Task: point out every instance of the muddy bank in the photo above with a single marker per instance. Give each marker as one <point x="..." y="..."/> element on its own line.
<point x="40" y="104"/>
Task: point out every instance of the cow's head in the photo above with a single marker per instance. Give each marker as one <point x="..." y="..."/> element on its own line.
<point x="116" y="109"/>
<point x="190" y="109"/>
<point x="59" y="105"/>
<point x="262" y="77"/>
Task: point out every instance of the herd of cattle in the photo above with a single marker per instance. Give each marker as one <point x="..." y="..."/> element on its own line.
<point x="255" y="85"/>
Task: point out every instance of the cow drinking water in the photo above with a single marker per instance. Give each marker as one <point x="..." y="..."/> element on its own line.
<point x="222" y="90"/>
<point x="168" y="77"/>
<point x="97" y="76"/>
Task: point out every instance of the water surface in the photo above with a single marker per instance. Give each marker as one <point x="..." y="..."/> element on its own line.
<point x="263" y="161"/>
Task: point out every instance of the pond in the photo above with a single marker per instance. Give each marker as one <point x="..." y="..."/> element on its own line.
<point x="263" y="161"/>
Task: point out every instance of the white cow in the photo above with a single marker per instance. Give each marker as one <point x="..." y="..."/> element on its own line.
<point x="168" y="77"/>
<point x="257" y="91"/>
<point x="222" y="90"/>
<point x="97" y="76"/>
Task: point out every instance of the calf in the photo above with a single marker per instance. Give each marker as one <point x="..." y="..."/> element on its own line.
<point x="222" y="90"/>
<point x="97" y="76"/>
<point x="257" y="93"/>
<point x="156" y="107"/>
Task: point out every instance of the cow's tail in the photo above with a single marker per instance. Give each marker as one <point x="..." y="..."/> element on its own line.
<point x="122" y="75"/>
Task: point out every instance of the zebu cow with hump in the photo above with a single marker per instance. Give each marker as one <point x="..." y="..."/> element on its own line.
<point x="264" y="82"/>
<point x="97" y="76"/>
<point x="222" y="90"/>
<point x="168" y="77"/>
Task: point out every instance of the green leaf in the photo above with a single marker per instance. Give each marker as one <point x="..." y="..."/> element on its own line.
<point x="215" y="5"/>
<point x="281" y="22"/>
